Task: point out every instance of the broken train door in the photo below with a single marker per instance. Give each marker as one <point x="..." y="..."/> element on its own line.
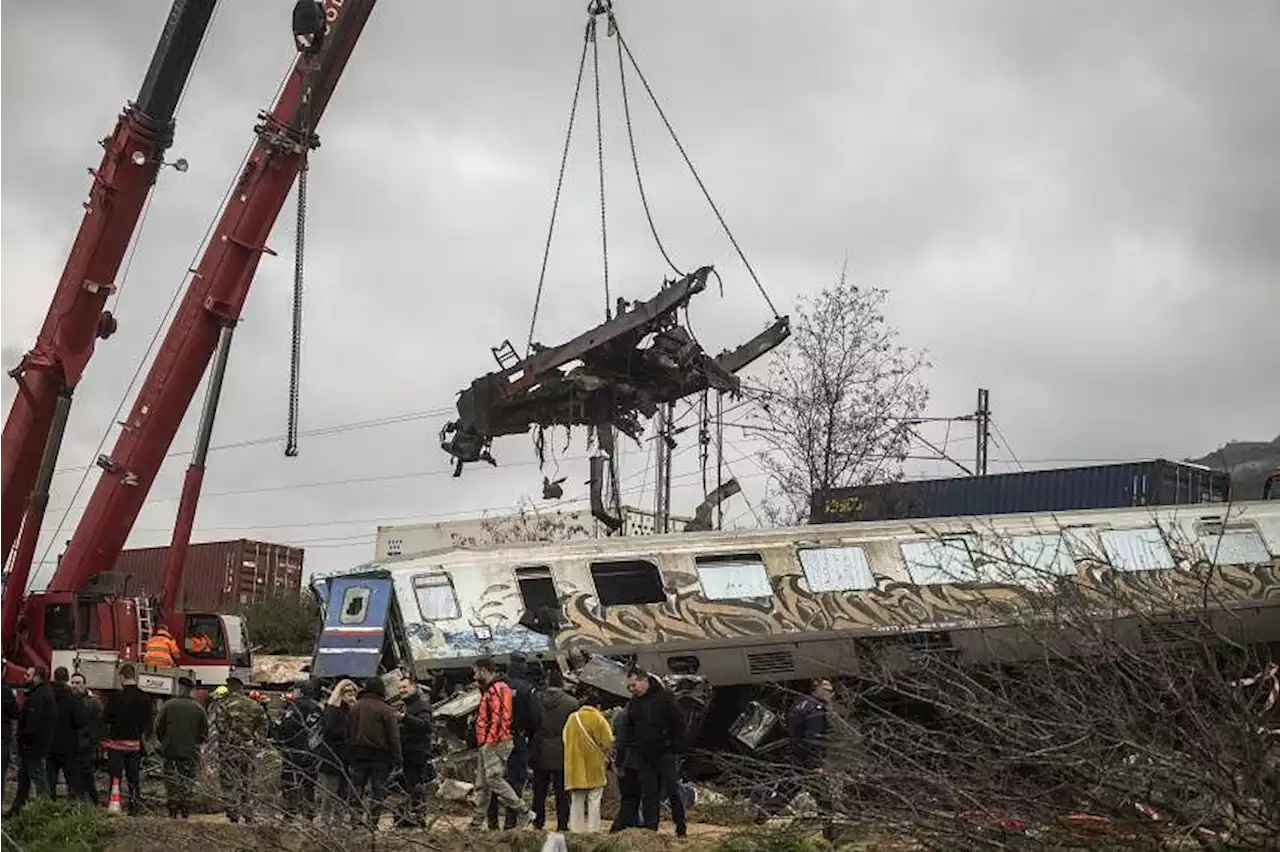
<point x="363" y="634"/>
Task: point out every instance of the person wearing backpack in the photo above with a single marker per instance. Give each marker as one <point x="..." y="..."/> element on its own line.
<point x="298" y="736"/>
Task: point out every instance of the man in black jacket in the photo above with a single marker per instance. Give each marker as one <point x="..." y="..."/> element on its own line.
<point x="415" y="744"/>
<point x="92" y="742"/>
<point x="127" y="718"/>
<point x="70" y="734"/>
<point x="7" y="720"/>
<point x="298" y="738"/>
<point x="36" y="722"/>
<point x="653" y="736"/>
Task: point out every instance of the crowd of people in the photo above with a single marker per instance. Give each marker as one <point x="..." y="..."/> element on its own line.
<point x="342" y="757"/>
<point x="528" y="720"/>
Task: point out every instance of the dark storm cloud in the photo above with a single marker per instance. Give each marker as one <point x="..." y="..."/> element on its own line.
<point x="1072" y="204"/>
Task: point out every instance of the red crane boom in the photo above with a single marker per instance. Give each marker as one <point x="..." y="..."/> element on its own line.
<point x="133" y="155"/>
<point x="212" y="302"/>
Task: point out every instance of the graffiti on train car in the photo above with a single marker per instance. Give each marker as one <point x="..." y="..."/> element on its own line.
<point x="492" y="629"/>
<point x="895" y="606"/>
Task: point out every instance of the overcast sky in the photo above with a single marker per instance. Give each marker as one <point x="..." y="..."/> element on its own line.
<point x="1072" y="204"/>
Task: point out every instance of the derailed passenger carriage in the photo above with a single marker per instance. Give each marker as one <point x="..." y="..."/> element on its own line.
<point x="745" y="608"/>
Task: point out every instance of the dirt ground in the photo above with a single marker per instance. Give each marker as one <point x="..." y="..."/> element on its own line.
<point x="209" y="832"/>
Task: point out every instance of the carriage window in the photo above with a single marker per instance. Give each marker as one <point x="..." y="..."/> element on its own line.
<point x="1136" y="550"/>
<point x="436" y="598"/>
<point x="629" y="582"/>
<point x="537" y="589"/>
<point x="738" y="577"/>
<point x="836" y="569"/>
<point x="945" y="560"/>
<point x="355" y="605"/>
<point x="1032" y="556"/>
<point x="1238" y="546"/>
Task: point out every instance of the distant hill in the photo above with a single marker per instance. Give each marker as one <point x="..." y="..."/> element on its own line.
<point x="1248" y="462"/>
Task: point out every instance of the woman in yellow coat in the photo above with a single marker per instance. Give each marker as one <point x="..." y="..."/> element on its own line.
<point x="588" y="738"/>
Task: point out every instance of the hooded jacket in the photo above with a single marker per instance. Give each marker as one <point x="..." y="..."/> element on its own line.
<point x="373" y="732"/>
<point x="587" y="740"/>
<point x="548" y="745"/>
<point x="653" y="728"/>
<point x="526" y="709"/>
<point x="36" y="721"/>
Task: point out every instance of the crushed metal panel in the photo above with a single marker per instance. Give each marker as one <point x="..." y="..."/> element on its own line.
<point x="458" y="706"/>
<point x="616" y="383"/>
<point x="753" y="725"/>
<point x="605" y="674"/>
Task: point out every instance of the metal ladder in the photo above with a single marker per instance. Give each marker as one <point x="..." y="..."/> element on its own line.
<point x="146" y="624"/>
<point x="505" y="354"/>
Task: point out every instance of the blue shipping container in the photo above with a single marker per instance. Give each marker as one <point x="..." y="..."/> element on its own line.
<point x="1149" y="483"/>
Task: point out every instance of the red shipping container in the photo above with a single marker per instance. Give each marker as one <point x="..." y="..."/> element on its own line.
<point x="220" y="576"/>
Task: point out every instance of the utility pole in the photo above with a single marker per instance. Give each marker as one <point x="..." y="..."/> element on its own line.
<point x="982" y="419"/>
<point x="615" y="487"/>
<point x="719" y="456"/>
<point x="662" y="461"/>
<point x="669" y="443"/>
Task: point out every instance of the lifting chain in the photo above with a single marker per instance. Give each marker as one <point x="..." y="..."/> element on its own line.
<point x="299" y="254"/>
<point x="555" y="202"/>
<point x="601" y="7"/>
<point x="295" y="348"/>
<point x="596" y="9"/>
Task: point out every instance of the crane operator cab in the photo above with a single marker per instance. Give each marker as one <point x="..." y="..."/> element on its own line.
<point x="93" y="630"/>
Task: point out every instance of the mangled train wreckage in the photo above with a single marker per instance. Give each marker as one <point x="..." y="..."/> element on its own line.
<point x="745" y="609"/>
<point x="606" y="378"/>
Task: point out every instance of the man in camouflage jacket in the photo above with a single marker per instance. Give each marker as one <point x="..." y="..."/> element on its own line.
<point x="241" y="731"/>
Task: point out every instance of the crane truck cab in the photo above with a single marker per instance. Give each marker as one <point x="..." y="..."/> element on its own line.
<point x="93" y="630"/>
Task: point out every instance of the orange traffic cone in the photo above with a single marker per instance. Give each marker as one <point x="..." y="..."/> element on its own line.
<point x="113" y="803"/>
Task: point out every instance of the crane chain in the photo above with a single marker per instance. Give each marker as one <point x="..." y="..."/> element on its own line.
<point x="706" y="193"/>
<point x="604" y="222"/>
<point x="295" y="351"/>
<point x="299" y="254"/>
<point x="635" y="159"/>
<point x="555" y="203"/>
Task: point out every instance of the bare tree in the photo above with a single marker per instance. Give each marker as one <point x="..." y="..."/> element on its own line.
<point x="1121" y="707"/>
<point x="836" y="405"/>
<point x="527" y="524"/>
